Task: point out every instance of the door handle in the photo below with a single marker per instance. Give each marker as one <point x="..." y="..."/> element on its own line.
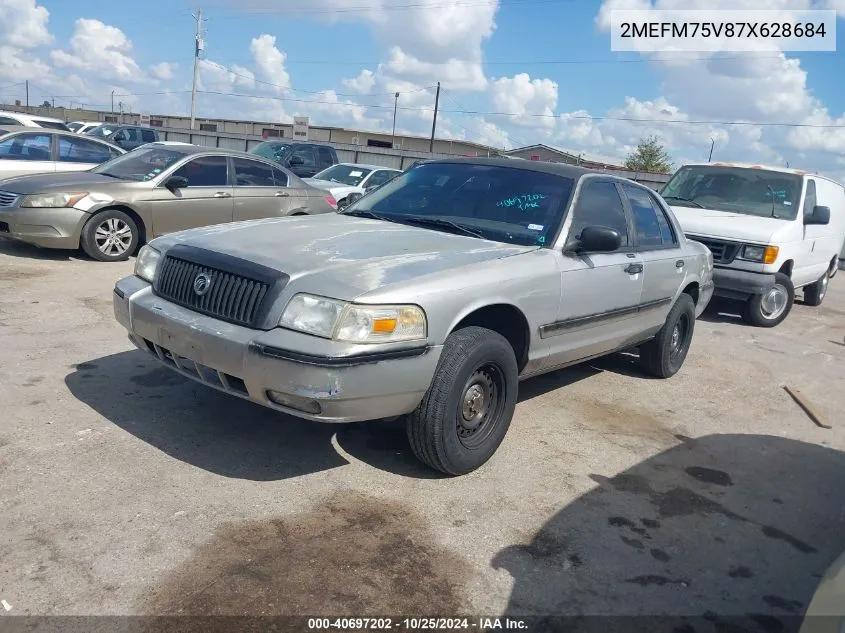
<point x="222" y="194"/>
<point x="679" y="263"/>
<point x="633" y="269"/>
<point x="282" y="194"/>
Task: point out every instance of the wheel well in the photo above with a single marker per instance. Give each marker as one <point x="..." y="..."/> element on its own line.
<point x="142" y="229"/>
<point x="298" y="213"/>
<point x="508" y="321"/>
<point x="692" y="291"/>
<point x="786" y="269"/>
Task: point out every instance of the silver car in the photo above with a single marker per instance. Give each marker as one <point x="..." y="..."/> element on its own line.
<point x="32" y="150"/>
<point x="431" y="297"/>
<point x="151" y="191"/>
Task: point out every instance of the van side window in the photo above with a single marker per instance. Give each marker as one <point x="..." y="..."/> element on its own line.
<point x="810" y="198"/>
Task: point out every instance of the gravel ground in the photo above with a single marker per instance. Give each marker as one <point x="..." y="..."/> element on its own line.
<point x="125" y="489"/>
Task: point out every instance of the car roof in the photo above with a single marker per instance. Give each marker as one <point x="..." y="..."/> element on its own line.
<point x="9" y="129"/>
<point x="366" y="166"/>
<point x="189" y="149"/>
<point x="32" y="117"/>
<point x="557" y="169"/>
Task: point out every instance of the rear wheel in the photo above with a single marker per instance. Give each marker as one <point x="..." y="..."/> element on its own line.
<point x="110" y="236"/>
<point x="772" y="307"/>
<point x="468" y="408"/>
<point x="664" y="355"/>
<point x="815" y="292"/>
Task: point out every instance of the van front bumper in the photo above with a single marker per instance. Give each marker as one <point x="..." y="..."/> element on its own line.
<point x="741" y="284"/>
<point x="278" y="368"/>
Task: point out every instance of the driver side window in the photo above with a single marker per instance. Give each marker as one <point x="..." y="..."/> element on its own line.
<point x="810" y="198"/>
<point x="599" y="204"/>
<point x="206" y="171"/>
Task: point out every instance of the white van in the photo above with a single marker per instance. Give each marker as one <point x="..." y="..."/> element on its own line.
<point x="771" y="232"/>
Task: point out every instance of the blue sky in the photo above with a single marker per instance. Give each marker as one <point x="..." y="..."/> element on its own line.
<point x="547" y="63"/>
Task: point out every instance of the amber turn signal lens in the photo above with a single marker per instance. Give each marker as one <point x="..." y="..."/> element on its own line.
<point x="383" y="326"/>
<point x="770" y="254"/>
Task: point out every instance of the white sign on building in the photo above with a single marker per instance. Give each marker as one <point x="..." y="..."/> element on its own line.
<point x="145" y="119"/>
<point x="300" y="128"/>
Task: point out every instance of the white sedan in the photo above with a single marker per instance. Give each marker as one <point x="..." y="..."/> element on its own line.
<point x="347" y="182"/>
<point x="27" y="150"/>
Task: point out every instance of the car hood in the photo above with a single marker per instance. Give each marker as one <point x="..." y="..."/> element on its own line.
<point x="40" y="183"/>
<point x="726" y="225"/>
<point x="333" y="187"/>
<point x="343" y="256"/>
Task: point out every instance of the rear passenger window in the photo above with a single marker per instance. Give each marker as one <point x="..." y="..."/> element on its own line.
<point x="326" y="156"/>
<point x="280" y="178"/>
<point x="649" y="220"/>
<point x="251" y="173"/>
<point x="599" y="204"/>
<point x="148" y="136"/>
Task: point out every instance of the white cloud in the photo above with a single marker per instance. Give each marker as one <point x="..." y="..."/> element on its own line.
<point x="99" y="48"/>
<point x="23" y="24"/>
<point x="363" y="83"/>
<point x="215" y="77"/>
<point x="453" y="73"/>
<point x="270" y="61"/>
<point x="163" y="70"/>
<point x="533" y="100"/>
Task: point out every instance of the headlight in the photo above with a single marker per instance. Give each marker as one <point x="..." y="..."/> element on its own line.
<point x="313" y="315"/>
<point x="147" y="262"/>
<point x="350" y="323"/>
<point x="764" y="254"/>
<point x="52" y="200"/>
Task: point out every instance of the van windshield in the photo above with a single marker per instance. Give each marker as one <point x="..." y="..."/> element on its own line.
<point x="736" y="190"/>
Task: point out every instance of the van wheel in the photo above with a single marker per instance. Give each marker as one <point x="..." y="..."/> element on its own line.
<point x="664" y="355"/>
<point x="834" y="267"/>
<point x="815" y="292"/>
<point x="468" y="408"/>
<point x="110" y="236"/>
<point x="769" y="309"/>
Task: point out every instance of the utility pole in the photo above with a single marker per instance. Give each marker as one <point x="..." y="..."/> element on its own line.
<point x="112" y="101"/>
<point x="434" y="121"/>
<point x="395" y="105"/>
<point x="54" y="103"/>
<point x="712" y="143"/>
<point x="27" y="95"/>
<point x="198" y="46"/>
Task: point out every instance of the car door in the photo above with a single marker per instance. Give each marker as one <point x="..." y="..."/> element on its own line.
<point x="600" y="291"/>
<point x="207" y="199"/>
<point x="664" y="266"/>
<point x="303" y="161"/>
<point x="378" y="178"/>
<point x="256" y="193"/>
<point x="26" y="153"/>
<point x="79" y="154"/>
<point x="815" y="258"/>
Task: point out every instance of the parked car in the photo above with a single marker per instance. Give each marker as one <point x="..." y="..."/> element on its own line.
<point x="303" y="159"/>
<point x="31" y="120"/>
<point x="112" y="209"/>
<point x="28" y="150"/>
<point x="83" y="127"/>
<point x="349" y="181"/>
<point x="126" y="136"/>
<point x="431" y="296"/>
<point x="772" y="231"/>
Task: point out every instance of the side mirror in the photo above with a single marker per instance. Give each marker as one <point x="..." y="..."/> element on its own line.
<point x="176" y="182"/>
<point x="296" y="160"/>
<point x="596" y="239"/>
<point x="821" y="215"/>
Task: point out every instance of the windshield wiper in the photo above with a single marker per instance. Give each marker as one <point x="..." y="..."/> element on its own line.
<point x="440" y="223"/>
<point x="692" y="202"/>
<point x="772" y="193"/>
<point x="361" y="213"/>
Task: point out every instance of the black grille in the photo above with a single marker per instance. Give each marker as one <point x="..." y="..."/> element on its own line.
<point x="238" y="293"/>
<point x="723" y="252"/>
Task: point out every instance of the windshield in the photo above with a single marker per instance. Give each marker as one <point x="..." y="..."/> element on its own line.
<point x="736" y="190"/>
<point x="73" y="127"/>
<point x="504" y="204"/>
<point x="346" y="174"/>
<point x="270" y="149"/>
<point x="102" y="131"/>
<point x="141" y="165"/>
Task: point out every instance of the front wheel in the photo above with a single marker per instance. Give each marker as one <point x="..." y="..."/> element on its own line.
<point x="110" y="236"/>
<point x="815" y="292"/>
<point x="664" y="355"/>
<point x="468" y="408"/>
<point x="772" y="307"/>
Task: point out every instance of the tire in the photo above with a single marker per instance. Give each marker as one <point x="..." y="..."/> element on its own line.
<point x="475" y="361"/>
<point x="664" y="355"/>
<point x="834" y="267"/>
<point x="768" y="310"/>
<point x="110" y="236"/>
<point x="814" y="293"/>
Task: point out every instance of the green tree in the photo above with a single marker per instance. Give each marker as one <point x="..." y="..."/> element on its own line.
<point x="651" y="156"/>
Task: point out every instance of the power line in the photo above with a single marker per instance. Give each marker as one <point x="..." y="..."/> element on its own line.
<point x="414" y="6"/>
